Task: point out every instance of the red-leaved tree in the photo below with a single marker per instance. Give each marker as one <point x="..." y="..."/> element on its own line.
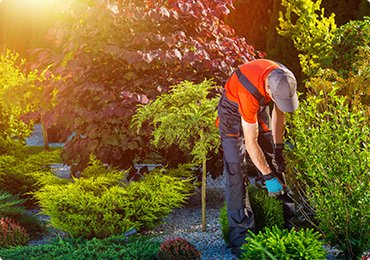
<point x="113" y="57"/>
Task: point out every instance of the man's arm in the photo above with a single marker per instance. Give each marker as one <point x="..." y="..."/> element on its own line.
<point x="254" y="150"/>
<point x="277" y="125"/>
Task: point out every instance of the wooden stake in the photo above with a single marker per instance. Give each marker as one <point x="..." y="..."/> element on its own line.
<point x="204" y="186"/>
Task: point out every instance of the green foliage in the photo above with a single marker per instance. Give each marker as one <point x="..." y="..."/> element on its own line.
<point x="311" y="32"/>
<point x="330" y="159"/>
<point x="268" y="212"/>
<point x="11" y="77"/>
<point x="177" y="249"/>
<point x="355" y="87"/>
<point x="11" y="206"/>
<point x="274" y="243"/>
<point x="185" y="117"/>
<point x="351" y="44"/>
<point x="96" y="168"/>
<point x="116" y="247"/>
<point x="25" y="175"/>
<point x="182" y="171"/>
<point x="12" y="147"/>
<point x="101" y="205"/>
<point x="11" y="233"/>
<point x="224" y="222"/>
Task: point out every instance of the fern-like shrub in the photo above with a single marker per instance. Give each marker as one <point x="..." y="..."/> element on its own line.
<point x="102" y="205"/>
<point x="177" y="249"/>
<point x="11" y="233"/>
<point x="12" y="147"/>
<point x="274" y="243"/>
<point x="22" y="175"/>
<point x="268" y="212"/>
<point x="11" y="206"/>
<point x="116" y="247"/>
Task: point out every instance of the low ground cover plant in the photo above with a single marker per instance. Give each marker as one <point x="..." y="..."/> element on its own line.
<point x="97" y="205"/>
<point x="11" y="233"/>
<point x="274" y="243"/>
<point x="115" y="247"/>
<point x="11" y="206"/>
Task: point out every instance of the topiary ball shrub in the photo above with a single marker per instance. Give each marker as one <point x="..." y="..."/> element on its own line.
<point x="12" y="234"/>
<point x="274" y="243"/>
<point x="268" y="212"/>
<point x="177" y="248"/>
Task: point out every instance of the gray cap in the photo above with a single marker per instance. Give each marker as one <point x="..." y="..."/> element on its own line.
<point x="283" y="86"/>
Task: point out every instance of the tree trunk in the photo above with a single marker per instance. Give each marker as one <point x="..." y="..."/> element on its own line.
<point x="44" y="132"/>
<point x="204" y="183"/>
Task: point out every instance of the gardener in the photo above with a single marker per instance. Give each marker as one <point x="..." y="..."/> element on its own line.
<point x="245" y="125"/>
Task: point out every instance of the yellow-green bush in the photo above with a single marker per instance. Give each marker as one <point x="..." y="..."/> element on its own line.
<point x="101" y="205"/>
<point x="23" y="175"/>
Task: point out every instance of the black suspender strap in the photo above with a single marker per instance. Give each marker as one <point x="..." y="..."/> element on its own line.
<point x="250" y="87"/>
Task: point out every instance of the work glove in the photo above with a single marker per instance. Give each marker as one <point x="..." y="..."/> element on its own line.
<point x="277" y="158"/>
<point x="273" y="184"/>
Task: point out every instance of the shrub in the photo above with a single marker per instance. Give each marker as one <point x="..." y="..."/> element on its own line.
<point x="349" y="41"/>
<point x="224" y="222"/>
<point x="177" y="248"/>
<point x="11" y="206"/>
<point x="100" y="206"/>
<point x="12" y="147"/>
<point x="268" y="211"/>
<point x="311" y="32"/>
<point x="355" y="87"/>
<point x="120" y="68"/>
<point x="11" y="126"/>
<point x="22" y="175"/>
<point x="330" y="159"/>
<point x="117" y="247"/>
<point x="11" y="233"/>
<point x="274" y="243"/>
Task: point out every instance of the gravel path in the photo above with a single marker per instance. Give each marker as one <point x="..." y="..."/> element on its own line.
<point x="186" y="223"/>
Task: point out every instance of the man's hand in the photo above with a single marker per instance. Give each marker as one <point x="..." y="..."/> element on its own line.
<point x="277" y="158"/>
<point x="273" y="184"/>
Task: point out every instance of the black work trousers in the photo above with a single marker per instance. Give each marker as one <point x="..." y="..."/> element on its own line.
<point x="240" y="215"/>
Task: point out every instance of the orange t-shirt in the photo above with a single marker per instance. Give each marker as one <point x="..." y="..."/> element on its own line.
<point x="256" y="72"/>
